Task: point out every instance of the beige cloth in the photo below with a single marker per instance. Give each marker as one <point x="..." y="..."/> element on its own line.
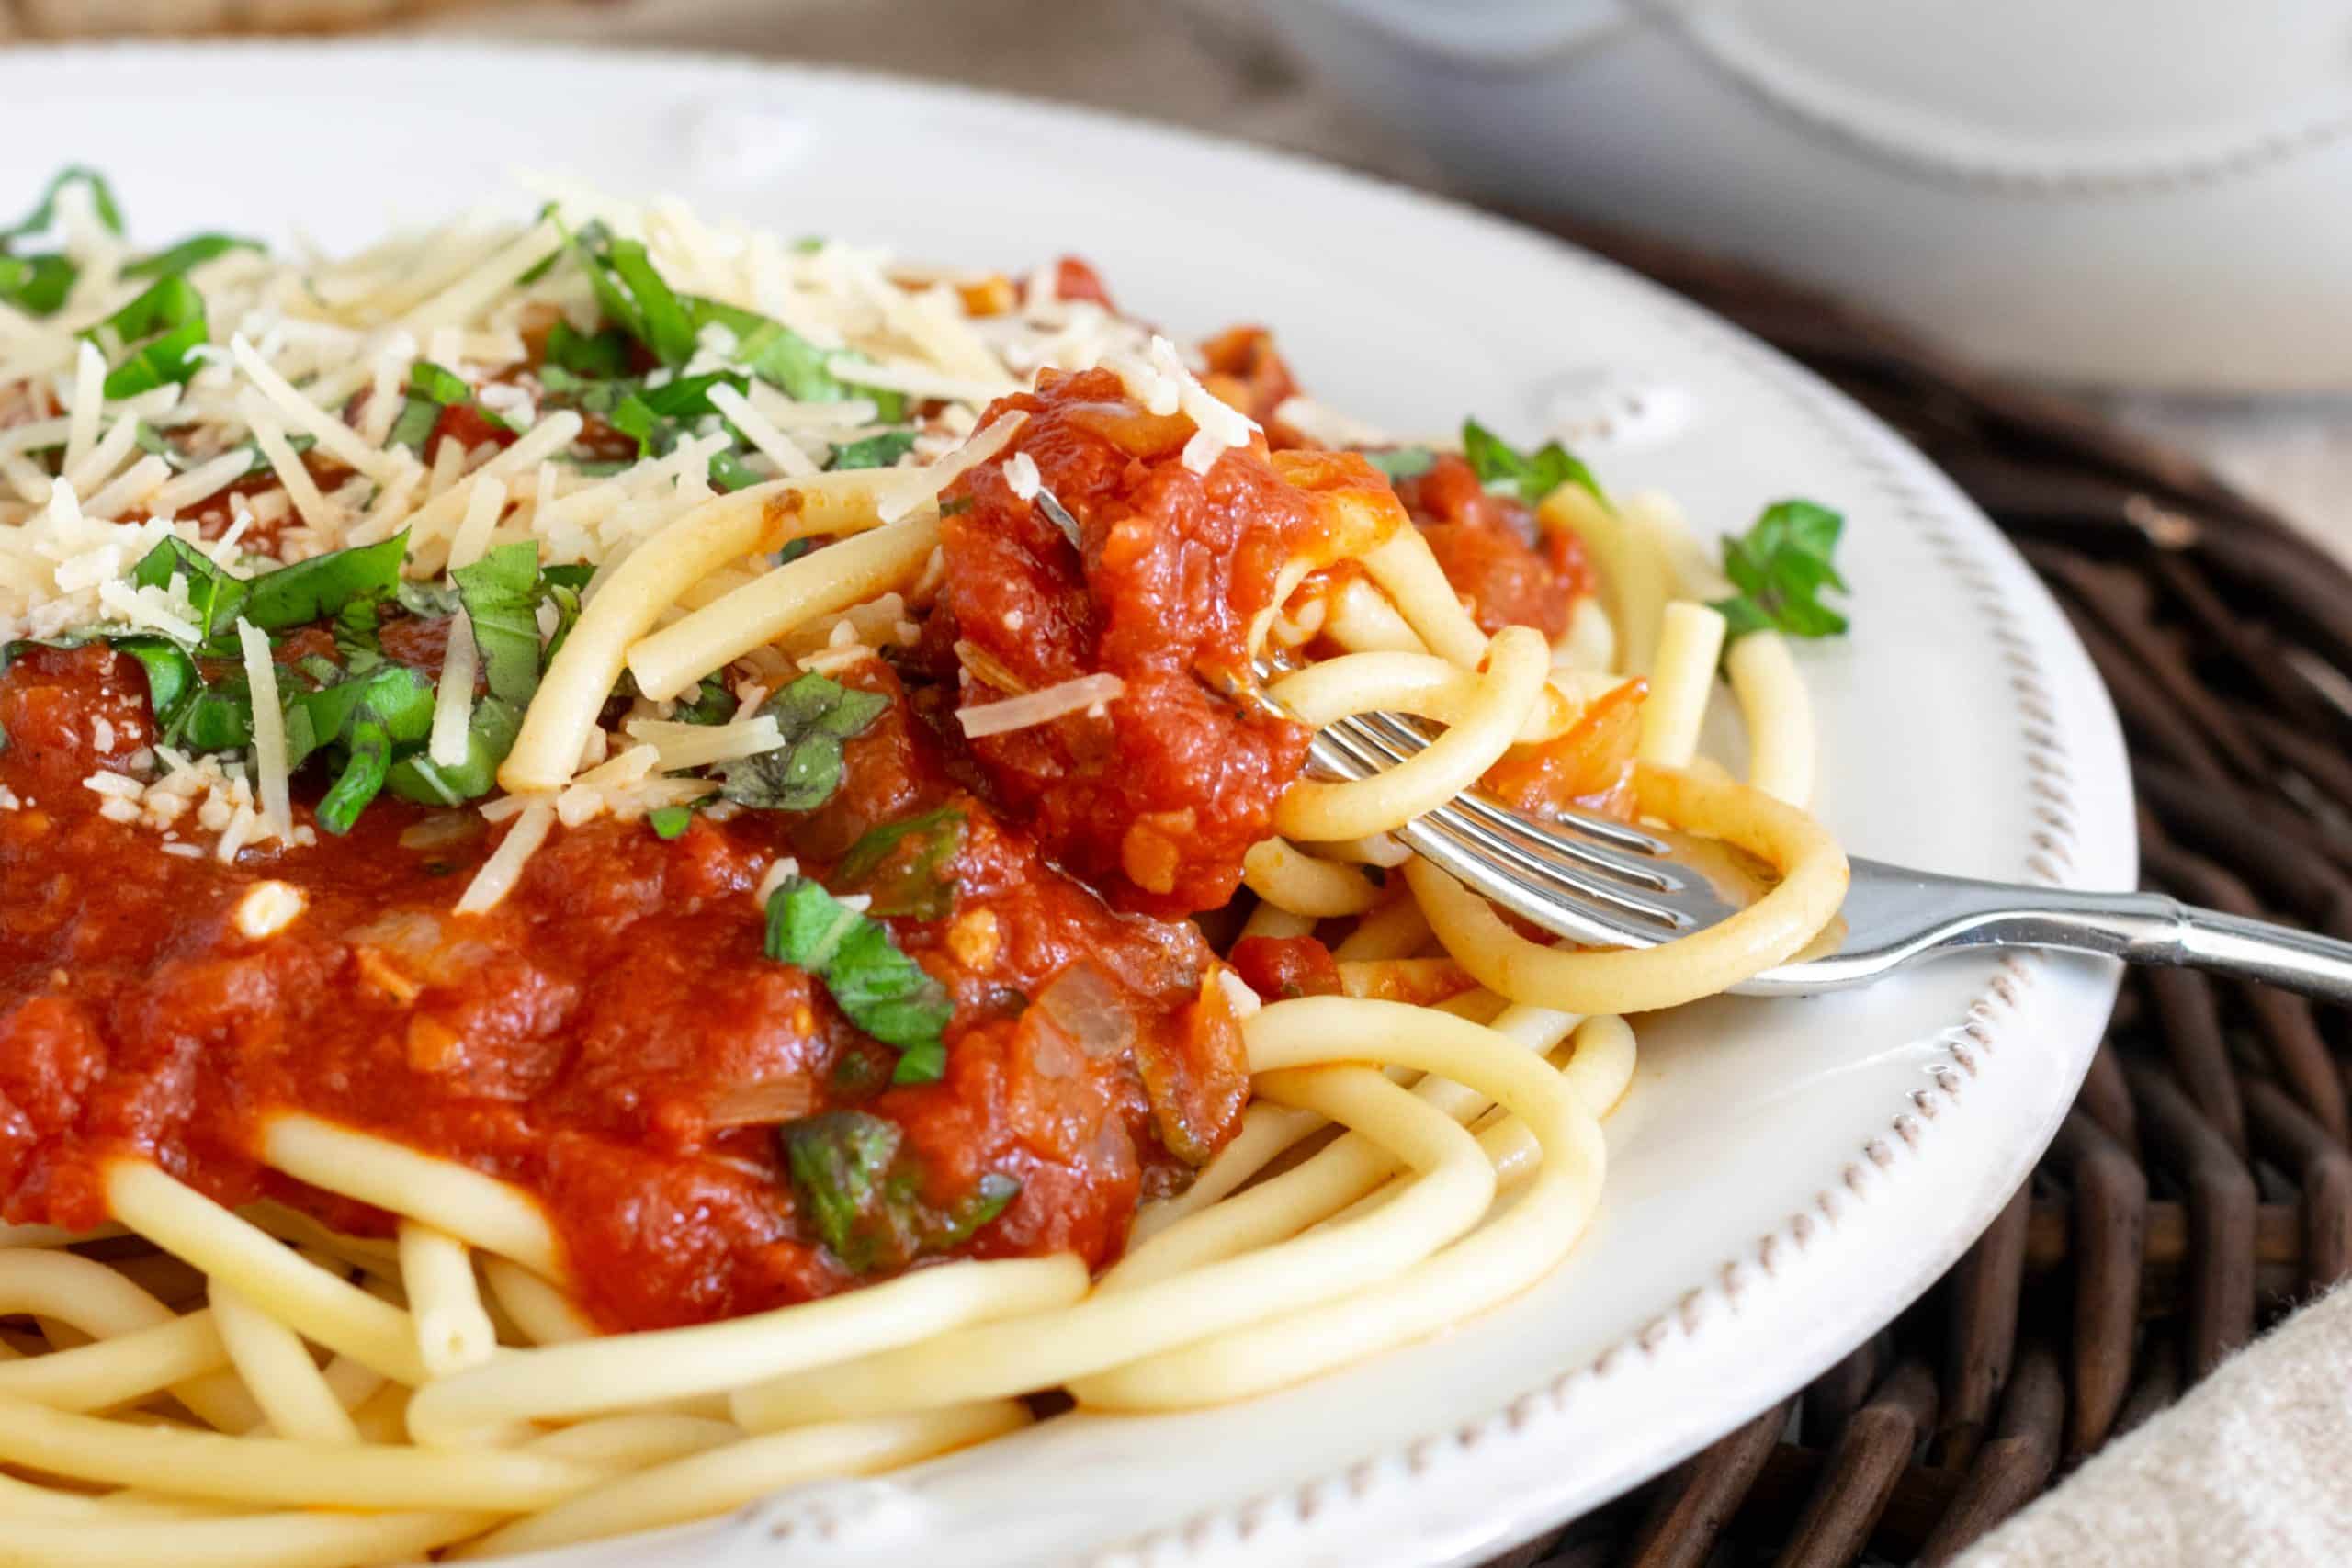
<point x="2253" y="1468"/>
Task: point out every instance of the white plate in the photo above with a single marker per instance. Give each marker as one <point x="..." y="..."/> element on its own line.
<point x="1786" y="1177"/>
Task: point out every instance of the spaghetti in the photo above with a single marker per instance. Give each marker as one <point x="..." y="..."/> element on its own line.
<point x="637" y="866"/>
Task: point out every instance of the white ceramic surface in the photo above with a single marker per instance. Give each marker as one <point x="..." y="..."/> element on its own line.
<point x="1785" y="1176"/>
<point x="2152" y="193"/>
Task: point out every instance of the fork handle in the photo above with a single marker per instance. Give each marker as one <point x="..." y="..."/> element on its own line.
<point x="2153" y="928"/>
<point x="2300" y="960"/>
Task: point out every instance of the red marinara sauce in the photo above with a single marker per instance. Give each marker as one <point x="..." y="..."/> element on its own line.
<point x="1157" y="797"/>
<point x="1511" y="572"/>
<point x="595" y="1037"/>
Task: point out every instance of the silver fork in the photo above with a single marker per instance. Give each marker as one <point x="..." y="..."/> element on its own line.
<point x="1599" y="882"/>
<point x="1603" y="883"/>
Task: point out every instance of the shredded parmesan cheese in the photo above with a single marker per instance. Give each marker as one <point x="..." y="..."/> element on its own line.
<point x="269" y="728"/>
<point x="267" y="908"/>
<point x="682" y="746"/>
<point x="504" y="869"/>
<point x="1020" y="476"/>
<point x="1042" y="706"/>
<point x="924" y="485"/>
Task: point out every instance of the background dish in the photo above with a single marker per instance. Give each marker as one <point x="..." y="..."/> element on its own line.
<point x="1786" y="1175"/>
<point x="1954" y="161"/>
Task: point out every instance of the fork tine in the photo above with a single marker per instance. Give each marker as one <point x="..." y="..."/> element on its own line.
<point x="1554" y="881"/>
<point x="1402" y="739"/>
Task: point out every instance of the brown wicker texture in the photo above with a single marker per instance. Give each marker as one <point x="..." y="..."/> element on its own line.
<point x="2201" y="1186"/>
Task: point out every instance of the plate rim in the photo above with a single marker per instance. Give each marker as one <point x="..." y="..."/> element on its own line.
<point x="1912" y="490"/>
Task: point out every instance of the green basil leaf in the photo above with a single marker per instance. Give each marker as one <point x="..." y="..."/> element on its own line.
<point x="815" y="715"/>
<point x="1528" y="477"/>
<point x="438" y="383"/>
<point x="490" y="734"/>
<point x="367" y="762"/>
<point x="664" y="324"/>
<point x="190" y="253"/>
<point x="602" y="356"/>
<point x="876" y="984"/>
<point x="785" y="360"/>
<point x="37" y="285"/>
<point x="688" y="397"/>
<point x="323" y="586"/>
<point x="988" y="1197"/>
<point x="1401" y="462"/>
<point x="874" y="452"/>
<point x="169" y="302"/>
<point x="730" y="473"/>
<point x="1782" y="566"/>
<point x="219" y="717"/>
<point x="44" y="213"/>
<point x="634" y="417"/>
<point x="429" y="600"/>
<point x="712" y="703"/>
<point x="670" y="821"/>
<point x="161" y="361"/>
<point x="904" y="866"/>
<point x="398" y="698"/>
<point x="500" y="595"/>
<point x="859" y="1190"/>
<point x="216" y="595"/>
<point x="841" y="1165"/>
<point x="171" y="672"/>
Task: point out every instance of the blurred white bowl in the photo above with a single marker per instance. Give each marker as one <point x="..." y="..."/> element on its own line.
<point x="2149" y="193"/>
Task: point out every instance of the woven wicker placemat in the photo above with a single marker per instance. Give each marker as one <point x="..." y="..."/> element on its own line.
<point x="2202" y="1184"/>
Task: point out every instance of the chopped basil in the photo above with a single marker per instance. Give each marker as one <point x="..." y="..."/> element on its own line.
<point x="1780" y="568"/>
<point x="171" y="672"/>
<point x="323" y="586"/>
<point x="44" y="213"/>
<point x="712" y="703"/>
<point x="431" y="389"/>
<point x="815" y="715"/>
<point x="860" y="1191"/>
<point x="634" y="417"/>
<point x="903" y="866"/>
<point x="670" y="821"/>
<point x="730" y="473"/>
<point x="169" y="317"/>
<point x="793" y="365"/>
<point x="212" y="592"/>
<point x="874" y="452"/>
<point x="875" y="984"/>
<point x="604" y="356"/>
<point x="1401" y="462"/>
<point x="190" y="253"/>
<point x="317" y="589"/>
<point x="500" y="595"/>
<point x="162" y="361"/>
<point x="633" y="294"/>
<point x="366" y="761"/>
<point x="490" y="734"/>
<point x="1529" y="476"/>
<point x="430" y="600"/>
<point x="37" y="285"/>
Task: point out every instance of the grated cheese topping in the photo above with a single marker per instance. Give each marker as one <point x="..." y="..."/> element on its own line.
<point x="277" y="445"/>
<point x="1042" y="706"/>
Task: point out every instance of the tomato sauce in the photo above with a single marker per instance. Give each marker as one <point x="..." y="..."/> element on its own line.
<point x="1157" y="797"/>
<point x="587" y="1038"/>
<point x="1509" y="571"/>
